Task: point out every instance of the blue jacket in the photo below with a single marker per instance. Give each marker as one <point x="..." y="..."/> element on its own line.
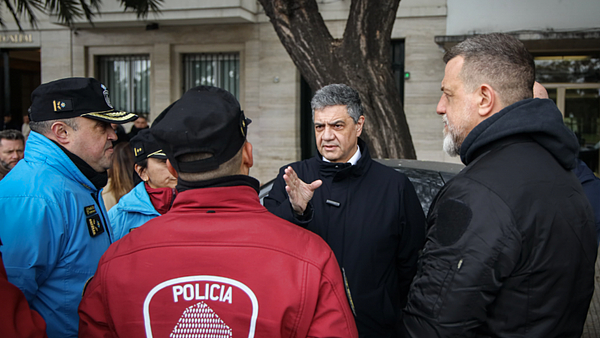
<point x="54" y="231"/>
<point x="133" y="210"/>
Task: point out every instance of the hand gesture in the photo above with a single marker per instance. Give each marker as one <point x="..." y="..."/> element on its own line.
<point x="299" y="193"/>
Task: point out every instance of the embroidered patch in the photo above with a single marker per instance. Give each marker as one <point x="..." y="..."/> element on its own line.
<point x="94" y="224"/>
<point x="205" y="305"/>
<point x="62" y="105"/>
<point x="89" y="210"/>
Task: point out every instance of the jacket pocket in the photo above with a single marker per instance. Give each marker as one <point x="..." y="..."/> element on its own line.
<point x="430" y="285"/>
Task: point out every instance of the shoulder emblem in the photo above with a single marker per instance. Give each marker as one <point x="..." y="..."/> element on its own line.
<point x="92" y="219"/>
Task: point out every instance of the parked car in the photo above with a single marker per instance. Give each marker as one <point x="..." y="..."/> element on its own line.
<point x="428" y="177"/>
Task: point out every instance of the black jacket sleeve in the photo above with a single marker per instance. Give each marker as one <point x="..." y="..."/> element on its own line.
<point x="412" y="236"/>
<point x="472" y="246"/>
<point x="278" y="203"/>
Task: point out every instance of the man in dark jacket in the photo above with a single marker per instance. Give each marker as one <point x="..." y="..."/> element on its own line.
<point x="368" y="213"/>
<point x="511" y="247"/>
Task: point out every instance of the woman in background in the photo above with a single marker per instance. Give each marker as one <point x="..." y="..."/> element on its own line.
<point x="153" y="196"/>
<point x="120" y="175"/>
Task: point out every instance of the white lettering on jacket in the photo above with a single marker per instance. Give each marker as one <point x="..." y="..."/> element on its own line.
<point x="215" y="292"/>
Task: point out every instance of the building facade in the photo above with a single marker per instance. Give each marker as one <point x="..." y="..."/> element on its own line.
<point x="147" y="64"/>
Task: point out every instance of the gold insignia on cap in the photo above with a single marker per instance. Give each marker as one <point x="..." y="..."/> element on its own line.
<point x="115" y="116"/>
<point x="58" y="105"/>
<point x="137" y="150"/>
<point x="158" y="152"/>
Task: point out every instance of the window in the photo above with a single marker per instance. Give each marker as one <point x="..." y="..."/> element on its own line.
<point x="128" y="80"/>
<point x="212" y="69"/>
<point x="573" y="83"/>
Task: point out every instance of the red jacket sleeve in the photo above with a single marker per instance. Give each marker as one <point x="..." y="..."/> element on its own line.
<point x="93" y="321"/>
<point x="333" y="317"/>
<point x="16" y="318"/>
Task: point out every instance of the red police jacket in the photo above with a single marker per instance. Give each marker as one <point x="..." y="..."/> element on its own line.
<point x="217" y="263"/>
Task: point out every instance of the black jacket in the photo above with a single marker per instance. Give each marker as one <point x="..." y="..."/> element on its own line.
<point x="591" y="187"/>
<point x="375" y="232"/>
<point x="511" y="245"/>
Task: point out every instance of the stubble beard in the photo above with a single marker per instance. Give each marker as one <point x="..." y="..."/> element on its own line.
<point x="6" y="165"/>
<point x="453" y="138"/>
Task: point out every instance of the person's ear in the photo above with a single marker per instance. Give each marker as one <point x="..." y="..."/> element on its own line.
<point x="61" y="133"/>
<point x="171" y="169"/>
<point x="141" y="171"/>
<point x="359" y="125"/>
<point x="486" y="100"/>
<point x="247" y="158"/>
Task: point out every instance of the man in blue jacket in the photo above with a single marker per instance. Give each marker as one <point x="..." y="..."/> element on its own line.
<point x="54" y="227"/>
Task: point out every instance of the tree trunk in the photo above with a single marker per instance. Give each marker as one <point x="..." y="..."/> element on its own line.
<point x="361" y="59"/>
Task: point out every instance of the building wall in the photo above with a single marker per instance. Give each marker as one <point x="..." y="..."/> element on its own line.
<point x="269" y="81"/>
<point x="485" y="16"/>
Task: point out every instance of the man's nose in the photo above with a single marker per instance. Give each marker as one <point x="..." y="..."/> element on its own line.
<point x="328" y="133"/>
<point x="112" y="135"/>
<point x="441" y="106"/>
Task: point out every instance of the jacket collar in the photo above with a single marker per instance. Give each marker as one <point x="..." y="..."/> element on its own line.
<point x="341" y="170"/>
<point x="218" y="199"/>
<point x="538" y="119"/>
<point x="39" y="148"/>
<point x="137" y="200"/>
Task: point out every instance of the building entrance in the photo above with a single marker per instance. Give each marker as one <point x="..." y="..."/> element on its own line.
<point x="20" y="74"/>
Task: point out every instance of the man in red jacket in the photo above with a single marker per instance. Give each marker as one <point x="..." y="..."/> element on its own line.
<point x="217" y="264"/>
<point x="16" y="318"/>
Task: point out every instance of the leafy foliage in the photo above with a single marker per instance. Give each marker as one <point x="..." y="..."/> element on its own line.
<point x="68" y="11"/>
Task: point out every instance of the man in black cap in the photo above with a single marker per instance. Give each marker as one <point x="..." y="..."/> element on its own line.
<point x="54" y="227"/>
<point x="218" y="263"/>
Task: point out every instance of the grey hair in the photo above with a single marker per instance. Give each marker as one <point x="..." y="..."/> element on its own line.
<point x="11" y="134"/>
<point x="44" y="127"/>
<point x="500" y="60"/>
<point x="338" y="94"/>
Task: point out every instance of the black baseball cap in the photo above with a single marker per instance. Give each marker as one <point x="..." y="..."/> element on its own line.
<point x="205" y="120"/>
<point x="145" y="146"/>
<point x="73" y="97"/>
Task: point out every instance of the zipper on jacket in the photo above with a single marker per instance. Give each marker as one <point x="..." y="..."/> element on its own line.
<point x="106" y="225"/>
<point x="347" y="287"/>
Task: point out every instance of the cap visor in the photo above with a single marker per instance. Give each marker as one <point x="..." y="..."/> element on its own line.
<point x="158" y="154"/>
<point x="118" y="117"/>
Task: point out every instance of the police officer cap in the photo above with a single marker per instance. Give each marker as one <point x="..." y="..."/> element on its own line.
<point x="145" y="146"/>
<point x="205" y="120"/>
<point x="73" y="97"/>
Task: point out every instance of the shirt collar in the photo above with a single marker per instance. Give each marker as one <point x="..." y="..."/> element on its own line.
<point x="353" y="160"/>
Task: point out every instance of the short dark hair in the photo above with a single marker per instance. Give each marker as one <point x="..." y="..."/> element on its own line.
<point x="500" y="60"/>
<point x="11" y="134"/>
<point x="338" y="94"/>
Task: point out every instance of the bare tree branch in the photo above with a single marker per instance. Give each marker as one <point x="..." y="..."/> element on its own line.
<point x="361" y="59"/>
